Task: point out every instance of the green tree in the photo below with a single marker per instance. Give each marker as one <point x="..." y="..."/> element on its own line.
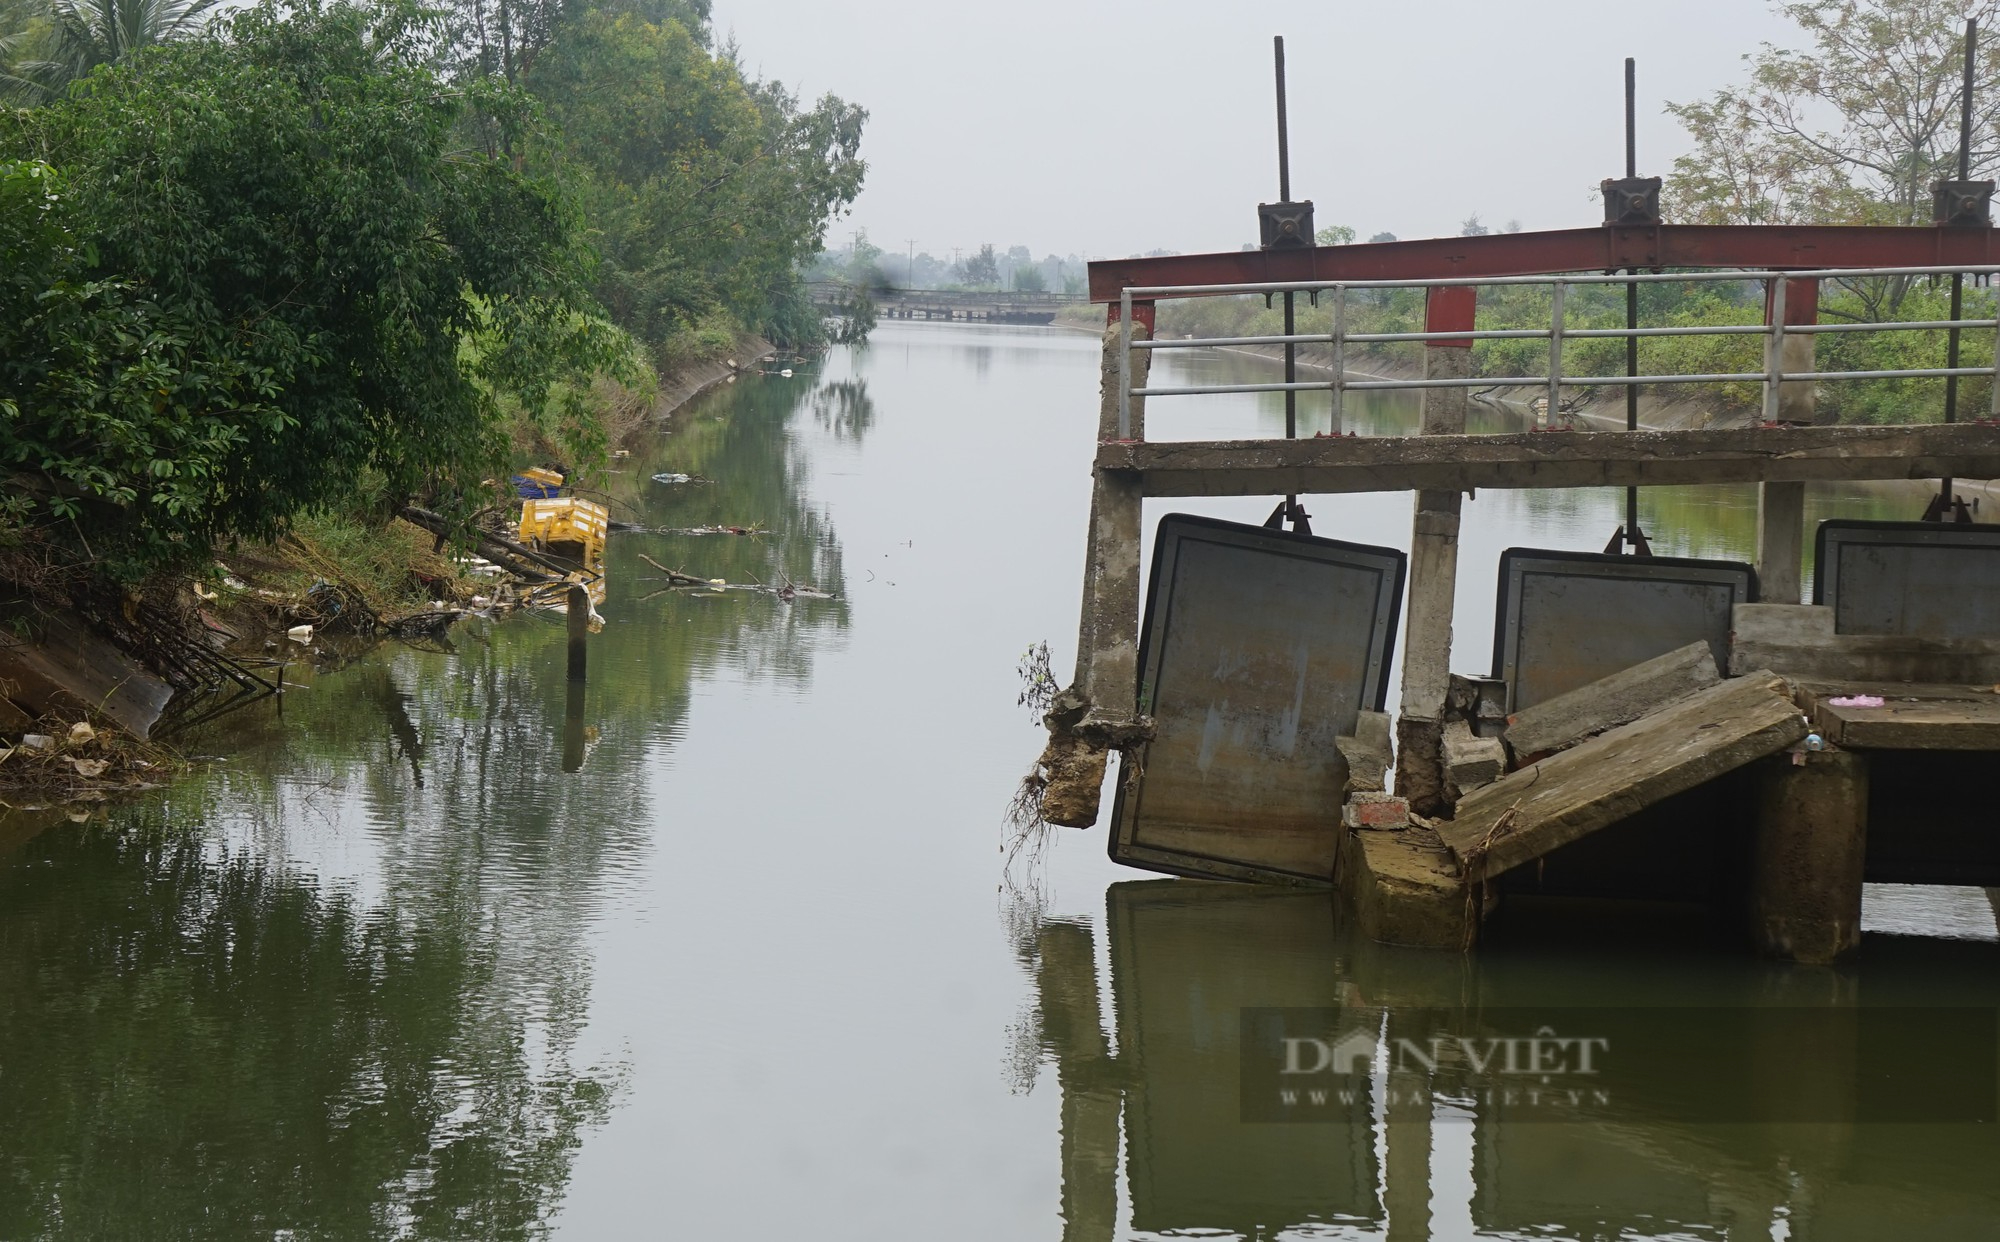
<point x="1029" y="279"/>
<point x="77" y="36"/>
<point x="982" y="270"/>
<point x="1853" y="129"/>
<point x="708" y="191"/>
<point x="268" y="271"/>
<point x="1335" y="235"/>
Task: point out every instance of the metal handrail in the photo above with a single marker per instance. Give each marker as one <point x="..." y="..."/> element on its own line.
<point x="1772" y="377"/>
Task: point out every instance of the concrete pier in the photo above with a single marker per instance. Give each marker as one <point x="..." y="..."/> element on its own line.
<point x="1105" y="687"/>
<point x="1810" y="844"/>
<point x="1420" y="765"/>
<point x="1781" y="506"/>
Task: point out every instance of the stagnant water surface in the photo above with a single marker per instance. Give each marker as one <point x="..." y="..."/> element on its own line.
<point x="755" y="970"/>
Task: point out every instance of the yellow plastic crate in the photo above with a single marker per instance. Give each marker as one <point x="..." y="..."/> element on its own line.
<point x="566" y="519"/>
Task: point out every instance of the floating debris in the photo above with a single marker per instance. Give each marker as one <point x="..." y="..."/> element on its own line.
<point x="677" y="579"/>
<point x="696" y="530"/>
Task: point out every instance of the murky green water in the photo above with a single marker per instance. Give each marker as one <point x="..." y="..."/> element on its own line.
<point x="754" y="971"/>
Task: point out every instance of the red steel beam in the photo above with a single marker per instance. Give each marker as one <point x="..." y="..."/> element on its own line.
<point x="1600" y="249"/>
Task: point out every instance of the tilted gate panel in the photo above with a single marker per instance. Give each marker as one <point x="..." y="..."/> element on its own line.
<point x="1260" y="647"/>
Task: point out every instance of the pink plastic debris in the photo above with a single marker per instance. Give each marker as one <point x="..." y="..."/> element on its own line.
<point x="1856" y="700"/>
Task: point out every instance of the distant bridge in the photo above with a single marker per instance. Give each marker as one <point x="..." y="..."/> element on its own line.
<point x="1019" y="307"/>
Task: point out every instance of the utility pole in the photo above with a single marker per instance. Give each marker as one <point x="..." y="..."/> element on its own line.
<point x="910" y="270"/>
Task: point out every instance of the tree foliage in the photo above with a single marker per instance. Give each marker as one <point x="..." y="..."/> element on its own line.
<point x="706" y="190"/>
<point x="254" y="261"/>
<point x="982" y="270"/>
<point x="76" y="36"/>
<point x="287" y="255"/>
<point x="1853" y="129"/>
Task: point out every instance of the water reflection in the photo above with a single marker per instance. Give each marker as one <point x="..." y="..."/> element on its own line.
<point x="844" y="407"/>
<point x="1165" y="1111"/>
<point x="332" y="986"/>
<point x="204" y="1044"/>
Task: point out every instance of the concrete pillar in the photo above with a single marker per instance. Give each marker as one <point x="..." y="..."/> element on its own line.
<point x="1811" y="837"/>
<point x="1781" y="507"/>
<point x="1107" y="652"/>
<point x="1106" y="681"/>
<point x="1420" y="774"/>
<point x="1781" y="534"/>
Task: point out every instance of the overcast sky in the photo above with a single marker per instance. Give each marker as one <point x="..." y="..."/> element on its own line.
<point x="1109" y="127"/>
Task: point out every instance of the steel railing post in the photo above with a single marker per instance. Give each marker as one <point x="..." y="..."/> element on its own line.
<point x="1555" y="348"/>
<point x="1340" y="357"/>
<point x="1125" y="365"/>
<point x="1774" y="362"/>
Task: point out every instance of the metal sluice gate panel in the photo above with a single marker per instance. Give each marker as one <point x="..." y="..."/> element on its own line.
<point x="1566" y="619"/>
<point x="1913" y="579"/>
<point x="1259" y="648"/>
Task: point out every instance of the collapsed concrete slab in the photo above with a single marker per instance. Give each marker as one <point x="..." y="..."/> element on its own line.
<point x="1577" y="791"/>
<point x="1621" y="698"/>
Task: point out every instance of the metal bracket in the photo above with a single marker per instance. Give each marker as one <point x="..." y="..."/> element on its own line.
<point x="1285" y="226"/>
<point x="1962" y="204"/>
<point x="1289" y="509"/>
<point x="1953" y="510"/>
<point x="1631" y="202"/>
<point x="1636" y="541"/>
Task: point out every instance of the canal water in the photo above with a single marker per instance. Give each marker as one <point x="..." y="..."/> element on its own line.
<point x="759" y="968"/>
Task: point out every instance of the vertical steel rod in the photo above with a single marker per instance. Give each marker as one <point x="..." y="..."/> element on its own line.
<point x="1958" y="278"/>
<point x="1284" y="134"/>
<point x="1633" y="539"/>
<point x="1285" y="196"/>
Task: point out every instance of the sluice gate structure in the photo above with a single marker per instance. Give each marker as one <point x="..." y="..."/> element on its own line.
<point x="1651" y="727"/>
